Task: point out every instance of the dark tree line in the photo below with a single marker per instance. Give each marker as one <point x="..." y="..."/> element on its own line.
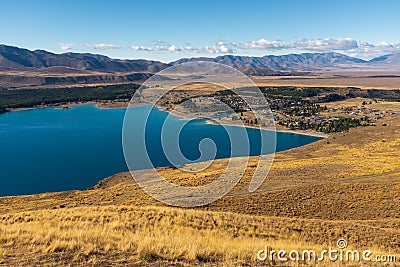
<point x="25" y="98"/>
<point x="339" y="125"/>
<point x="291" y="91"/>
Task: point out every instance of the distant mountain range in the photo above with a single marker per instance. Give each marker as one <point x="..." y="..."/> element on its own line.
<point x="297" y="62"/>
<point x="41" y="68"/>
<point x="18" y="58"/>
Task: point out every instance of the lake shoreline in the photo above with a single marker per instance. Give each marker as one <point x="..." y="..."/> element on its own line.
<point x="320" y="135"/>
<point x="180" y="115"/>
<point x="184" y="116"/>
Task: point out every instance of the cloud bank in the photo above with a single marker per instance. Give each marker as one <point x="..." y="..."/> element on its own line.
<point x="219" y="48"/>
<point x="347" y="46"/>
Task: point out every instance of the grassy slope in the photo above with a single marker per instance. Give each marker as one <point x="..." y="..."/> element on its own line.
<point x="345" y="186"/>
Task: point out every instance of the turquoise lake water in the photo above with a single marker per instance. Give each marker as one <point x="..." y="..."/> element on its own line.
<point x="51" y="149"/>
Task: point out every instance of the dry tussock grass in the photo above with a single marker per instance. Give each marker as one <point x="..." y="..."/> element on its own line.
<point x="357" y="102"/>
<point x="93" y="234"/>
<point x="373" y="158"/>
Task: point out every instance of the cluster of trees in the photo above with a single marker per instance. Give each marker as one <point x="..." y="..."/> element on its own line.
<point x="327" y="94"/>
<point x="291" y="91"/>
<point x="390" y="95"/>
<point x="195" y="105"/>
<point x="25" y="98"/>
<point x="250" y="121"/>
<point x="370" y="102"/>
<point x="300" y="108"/>
<point x="333" y="98"/>
<point x="339" y="125"/>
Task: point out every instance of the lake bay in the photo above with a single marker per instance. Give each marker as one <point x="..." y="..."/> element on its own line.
<point x="52" y="149"/>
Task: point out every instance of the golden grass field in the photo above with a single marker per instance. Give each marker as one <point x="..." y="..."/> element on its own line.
<point x="345" y="186"/>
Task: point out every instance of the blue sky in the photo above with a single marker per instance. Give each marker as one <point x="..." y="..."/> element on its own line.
<point x="168" y="30"/>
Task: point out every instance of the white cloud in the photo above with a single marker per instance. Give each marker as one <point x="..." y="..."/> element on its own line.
<point x="174" y="48"/>
<point x="385" y="44"/>
<point x="262" y="44"/>
<point x="66" y="47"/>
<point x="214" y="49"/>
<point x="347" y="46"/>
<point x="225" y="49"/>
<point x="305" y="44"/>
<point x="103" y="46"/>
<point x="159" y="41"/>
<point x="326" y="45"/>
<point x="221" y="42"/>
<point x="367" y="50"/>
<point x="220" y="48"/>
<point x="141" y="48"/>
